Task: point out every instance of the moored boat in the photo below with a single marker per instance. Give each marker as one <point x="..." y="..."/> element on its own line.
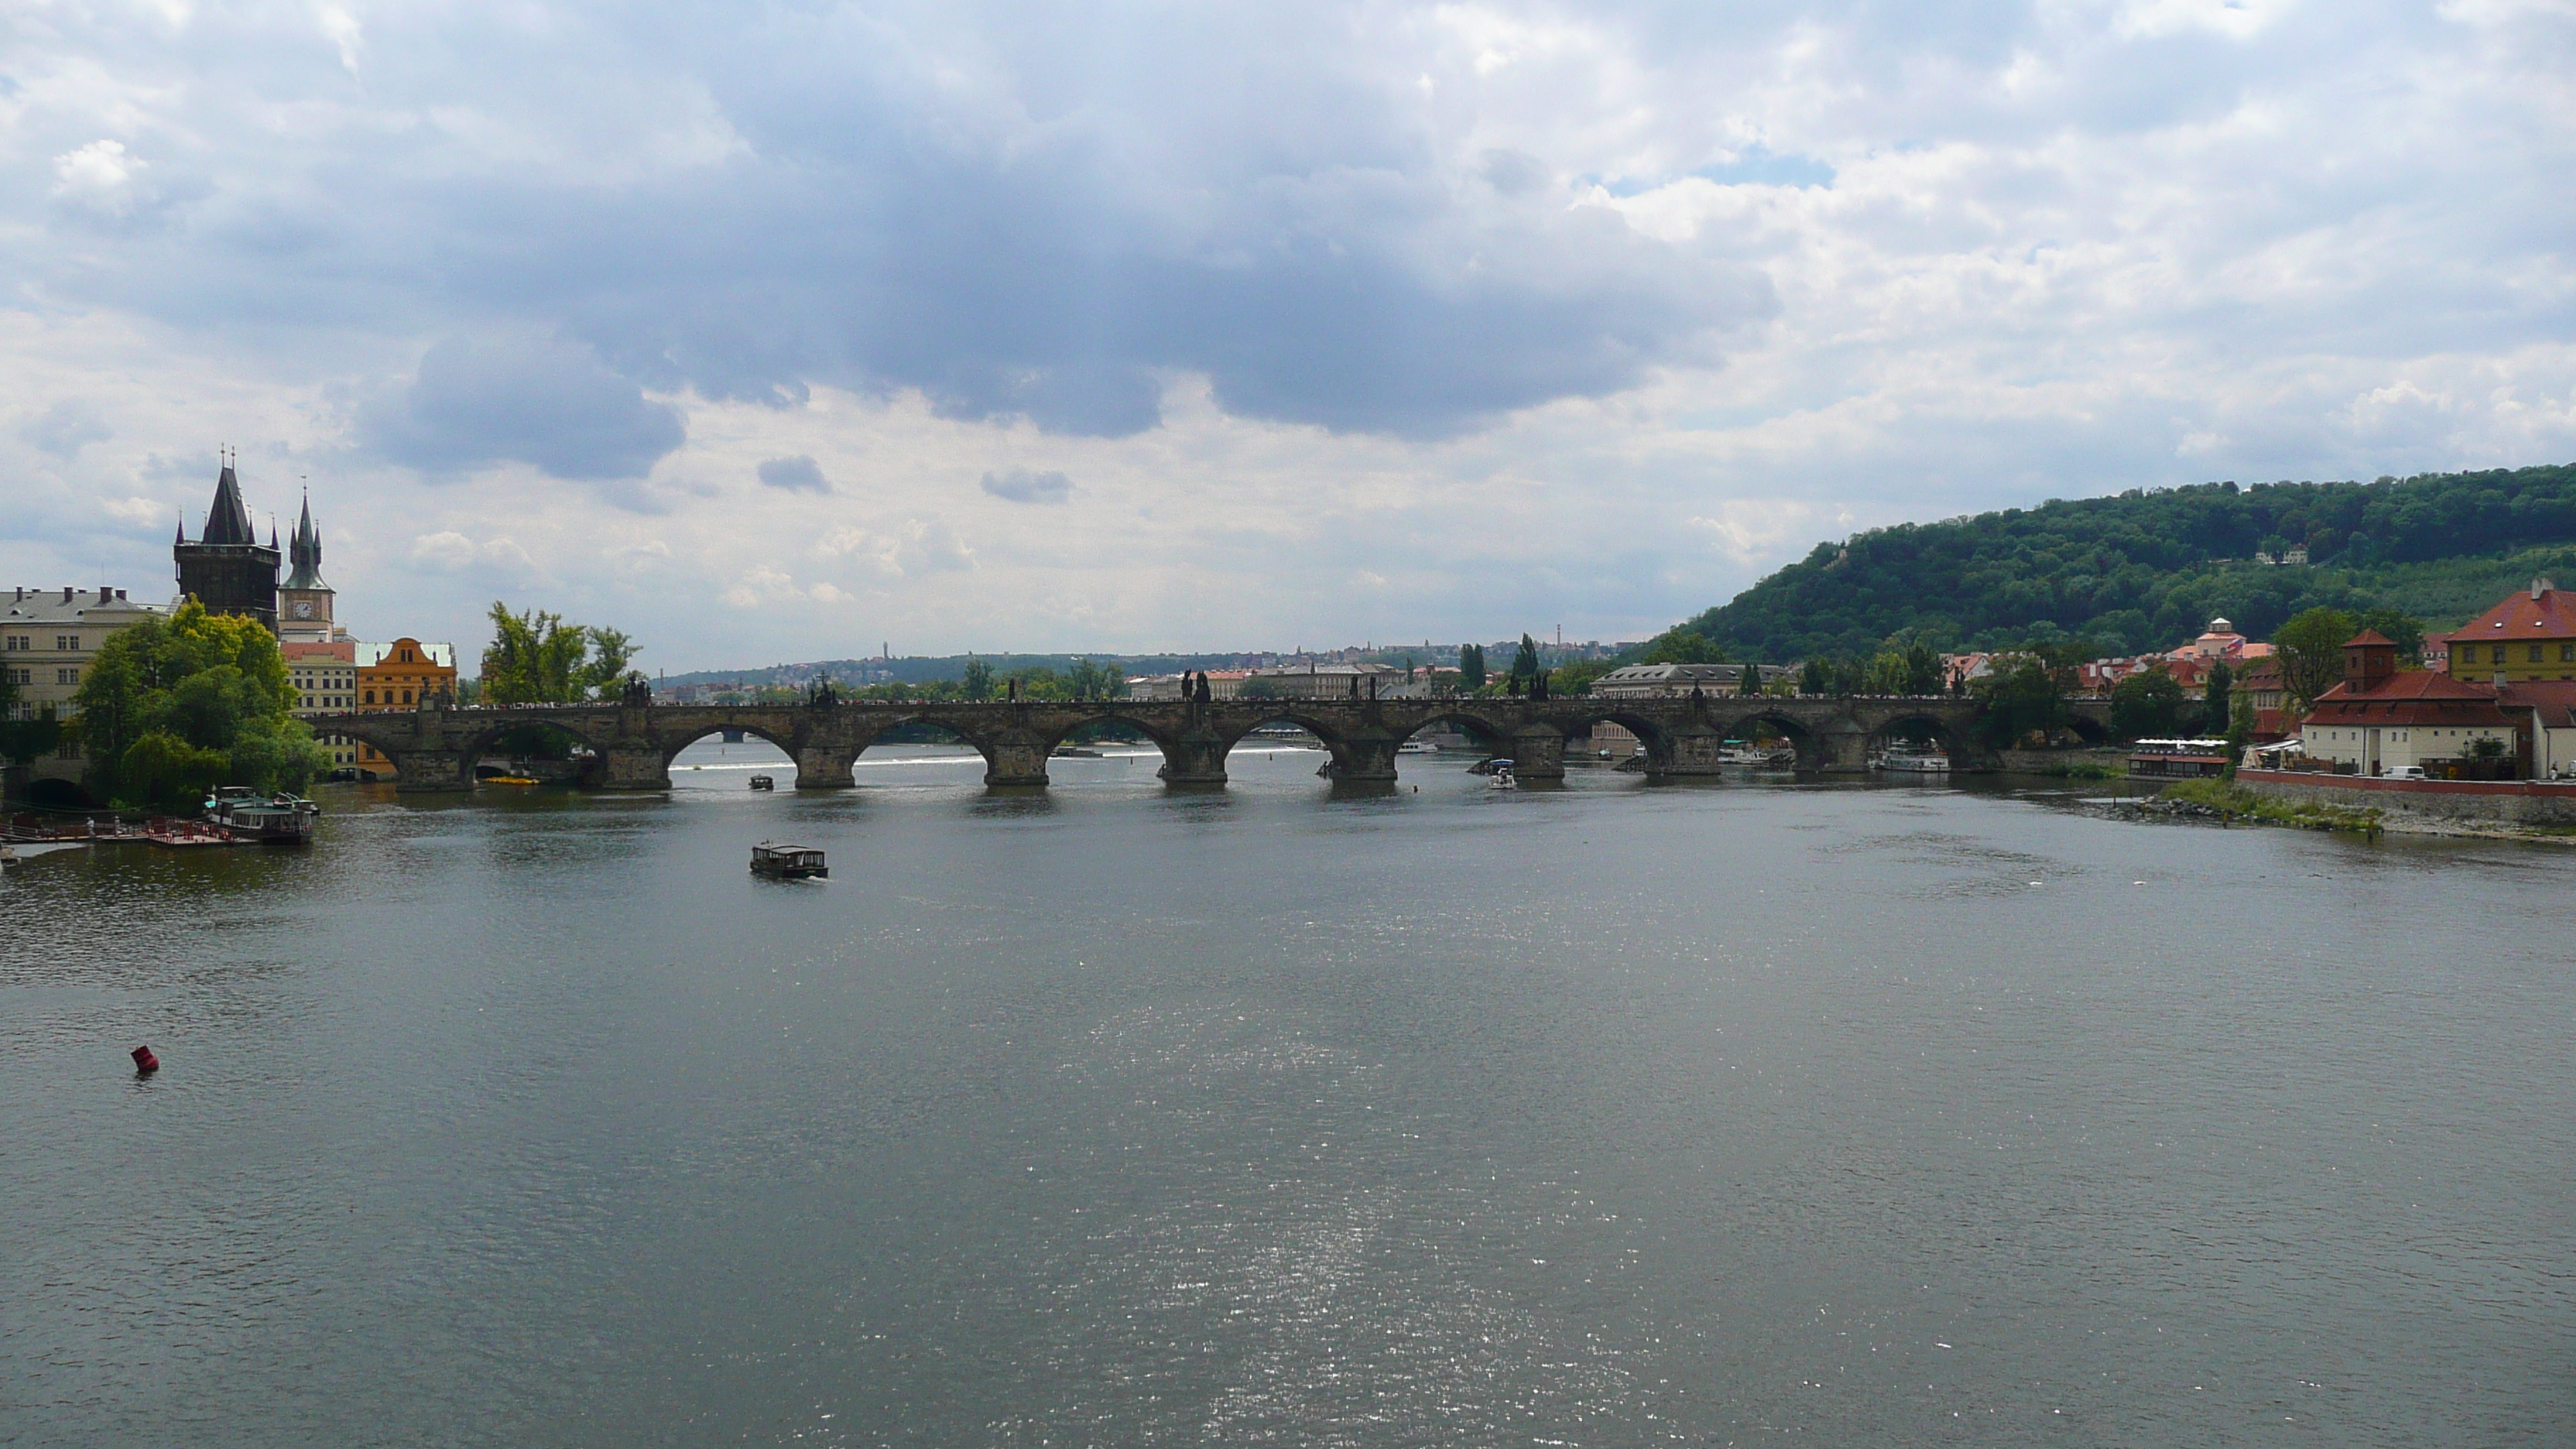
<point x="279" y="819"/>
<point x="763" y="782"/>
<point x="1913" y="760"/>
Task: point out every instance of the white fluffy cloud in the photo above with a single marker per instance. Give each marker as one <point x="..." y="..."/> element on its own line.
<point x="707" y="323"/>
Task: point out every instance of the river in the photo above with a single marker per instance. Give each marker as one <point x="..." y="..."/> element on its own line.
<point x="1606" y="1115"/>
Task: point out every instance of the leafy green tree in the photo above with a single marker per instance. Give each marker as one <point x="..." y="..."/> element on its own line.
<point x="978" y="681"/>
<point x="2310" y="648"/>
<point x="22" y="740"/>
<point x="2024" y="697"/>
<point x="175" y="704"/>
<point x="1088" y="680"/>
<point x="2215" y="712"/>
<point x="2402" y="628"/>
<point x="1680" y="645"/>
<point x="1471" y="668"/>
<point x="2240" y="730"/>
<point x="2147" y="705"/>
<point x="1524" y="666"/>
<point x="1813" y="678"/>
<point x="2150" y="567"/>
<point x="1750" y="680"/>
<point x="535" y="657"/>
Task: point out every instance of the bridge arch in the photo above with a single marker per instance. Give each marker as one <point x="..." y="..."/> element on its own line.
<point x="1650" y="732"/>
<point x="1814" y="753"/>
<point x="673" y="741"/>
<point x="1494" y="739"/>
<point x="1916" y="724"/>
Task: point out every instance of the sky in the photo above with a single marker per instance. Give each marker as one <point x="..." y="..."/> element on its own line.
<point x="792" y="331"/>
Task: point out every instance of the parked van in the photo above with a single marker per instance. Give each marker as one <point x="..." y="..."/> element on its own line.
<point x="2407" y="772"/>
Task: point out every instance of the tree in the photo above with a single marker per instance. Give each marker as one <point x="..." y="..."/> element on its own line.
<point x="537" y="658"/>
<point x="2146" y="705"/>
<point x="978" y="682"/>
<point x="2240" y="731"/>
<point x="1471" y="668"/>
<point x="1750" y="680"/>
<point x="1681" y="645"/>
<point x="22" y="740"/>
<point x="2215" y="714"/>
<point x="2022" y="697"/>
<point x="2401" y="628"/>
<point x="174" y="705"/>
<point x="1524" y="666"/>
<point x="2310" y="648"/>
<point x="1813" y="679"/>
<point x="1087" y="680"/>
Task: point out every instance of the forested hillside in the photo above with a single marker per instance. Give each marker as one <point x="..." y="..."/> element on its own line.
<point x="2146" y="569"/>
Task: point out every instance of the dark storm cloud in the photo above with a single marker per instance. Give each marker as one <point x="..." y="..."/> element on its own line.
<point x="892" y="199"/>
<point x="535" y="401"/>
<point x="1022" y="486"/>
<point x="796" y="475"/>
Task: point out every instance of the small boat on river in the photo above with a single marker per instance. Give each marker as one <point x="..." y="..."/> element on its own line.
<point x="763" y="782"/>
<point x="1913" y="760"/>
<point x="788" y="862"/>
<point x="279" y="819"/>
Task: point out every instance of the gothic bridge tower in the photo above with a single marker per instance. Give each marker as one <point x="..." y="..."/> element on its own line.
<point x="227" y="569"/>
<point x="304" y="600"/>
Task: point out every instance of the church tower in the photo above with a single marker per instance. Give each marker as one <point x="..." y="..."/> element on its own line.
<point x="226" y="569"/>
<point x="304" y="600"/>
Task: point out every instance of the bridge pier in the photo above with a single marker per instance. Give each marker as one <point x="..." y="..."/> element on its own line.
<point x="1362" y="761"/>
<point x="1194" y="760"/>
<point x="634" y="768"/>
<point x="1842" y="752"/>
<point x="825" y="767"/>
<point x="421" y="772"/>
<point x="1015" y="762"/>
<point x="1685" y="752"/>
<point x="1538" y="754"/>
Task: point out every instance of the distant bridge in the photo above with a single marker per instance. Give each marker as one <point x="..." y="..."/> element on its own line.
<point x="435" y="747"/>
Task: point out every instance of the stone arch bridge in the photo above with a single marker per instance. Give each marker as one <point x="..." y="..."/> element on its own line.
<point x="435" y="747"/>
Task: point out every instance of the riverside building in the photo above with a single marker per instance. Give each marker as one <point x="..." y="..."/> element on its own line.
<point x="48" y="640"/>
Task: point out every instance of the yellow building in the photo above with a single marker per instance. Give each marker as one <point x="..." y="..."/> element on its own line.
<point x="325" y="677"/>
<point x="396" y="676"/>
<point x="2531" y="635"/>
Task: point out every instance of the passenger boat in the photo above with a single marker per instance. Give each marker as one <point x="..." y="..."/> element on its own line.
<point x="508" y="780"/>
<point x="763" y="782"/>
<point x="1914" y="760"/>
<point x="1417" y="747"/>
<point x="788" y="862"/>
<point x="272" y="820"/>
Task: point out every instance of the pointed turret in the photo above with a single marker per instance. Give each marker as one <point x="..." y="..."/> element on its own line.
<point x="227" y="569"/>
<point x="227" y="521"/>
<point x="304" y="553"/>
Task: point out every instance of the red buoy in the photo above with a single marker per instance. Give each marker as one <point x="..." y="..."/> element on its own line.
<point x="144" y="1062"/>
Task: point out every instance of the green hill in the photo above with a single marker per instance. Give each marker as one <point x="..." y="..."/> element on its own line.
<point x="2148" y="568"/>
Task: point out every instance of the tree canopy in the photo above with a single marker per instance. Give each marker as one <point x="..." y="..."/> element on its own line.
<point x="537" y="657"/>
<point x="176" y="706"/>
<point x="2149" y="568"/>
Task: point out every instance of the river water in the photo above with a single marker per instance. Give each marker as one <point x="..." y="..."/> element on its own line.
<point x="1609" y="1115"/>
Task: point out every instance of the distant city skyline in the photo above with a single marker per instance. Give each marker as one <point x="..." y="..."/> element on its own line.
<point x="1056" y="329"/>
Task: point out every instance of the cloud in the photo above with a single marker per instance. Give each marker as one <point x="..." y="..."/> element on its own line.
<point x="1019" y="485"/>
<point x="532" y="400"/>
<point x="796" y="475"/>
<point x="1587" y="314"/>
<point x="67" y="427"/>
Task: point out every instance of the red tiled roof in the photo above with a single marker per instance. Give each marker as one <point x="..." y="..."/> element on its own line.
<point x="2553" y="699"/>
<point x="2369" y="636"/>
<point x="2551" y="616"/>
<point x="2410" y="697"/>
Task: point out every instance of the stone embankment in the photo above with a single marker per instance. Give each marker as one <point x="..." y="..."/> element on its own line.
<point x="2426" y="806"/>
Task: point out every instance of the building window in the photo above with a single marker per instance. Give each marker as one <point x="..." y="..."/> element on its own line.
<point x="406" y="696"/>
<point x="66" y="676"/>
<point x="67" y="643"/>
<point x="18" y="641"/>
<point x="2535" y="654"/>
<point x="371" y="696"/>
